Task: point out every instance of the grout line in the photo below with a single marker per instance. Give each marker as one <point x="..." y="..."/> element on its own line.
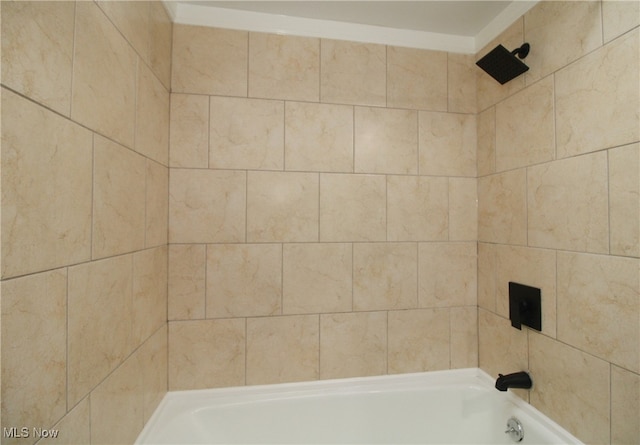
<point x="417" y="303"/>
<point x="554" y="111"/>
<point x="206" y="255"/>
<point x="282" y="278"/>
<point x="526" y="206"/>
<point x="284" y="135"/>
<point x="248" y="61"/>
<point x="319" y="347"/>
<point x="93" y="200"/>
<point x="608" y="180"/>
<point x="246" y="207"/>
<point x="136" y="94"/>
<point x="450" y="336"/>
<point x="602" y="36"/>
<point x="555" y="258"/>
<point x="146" y="204"/>
<point x="246" y="340"/>
<point x="610" y="402"/>
<point x="353" y="140"/>
<point x="73" y="56"/>
<point x="66" y="363"/>
<point x="209" y="100"/>
<point x="353" y="265"/>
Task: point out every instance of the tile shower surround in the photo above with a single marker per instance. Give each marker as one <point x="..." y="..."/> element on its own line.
<point x="85" y="147"/>
<point x="312" y="199"/>
<point x="559" y="209"/>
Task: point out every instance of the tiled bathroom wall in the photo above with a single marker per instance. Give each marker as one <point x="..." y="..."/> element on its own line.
<point x="85" y="137"/>
<point x="559" y="209"/>
<point x="317" y="209"/>
<point x="322" y="209"/>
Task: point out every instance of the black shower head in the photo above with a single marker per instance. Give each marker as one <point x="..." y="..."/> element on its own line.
<point x="503" y="65"/>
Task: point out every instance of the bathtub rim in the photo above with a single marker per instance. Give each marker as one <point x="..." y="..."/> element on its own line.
<point x="466" y="377"/>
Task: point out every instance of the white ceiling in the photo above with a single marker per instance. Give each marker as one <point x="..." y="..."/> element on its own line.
<point x="453" y="25"/>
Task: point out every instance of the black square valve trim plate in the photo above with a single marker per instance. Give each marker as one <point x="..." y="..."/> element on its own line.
<point x="525" y="306"/>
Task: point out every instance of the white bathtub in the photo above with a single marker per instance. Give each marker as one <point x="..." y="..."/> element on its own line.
<point x="444" y="407"/>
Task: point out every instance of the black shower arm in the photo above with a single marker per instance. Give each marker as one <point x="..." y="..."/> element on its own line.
<point x="522" y="52"/>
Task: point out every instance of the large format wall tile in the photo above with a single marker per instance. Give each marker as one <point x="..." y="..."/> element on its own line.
<point x="353" y="344"/>
<point x="353" y="73"/>
<point x="37" y="50"/>
<point x="118" y="199"/>
<point x="619" y="17"/>
<point x="416" y="79"/>
<point x="464" y="337"/>
<point x="152" y="117"/>
<point x="352" y="207"/>
<point x="463" y="209"/>
<point x="187" y="281"/>
<point x="417" y="208"/>
<point x="461" y="83"/>
<point x="624" y="200"/>
<point x="153" y="356"/>
<point x="318" y="137"/>
<point x="559" y="33"/>
<point x="100" y="315"/>
<point x="45" y="223"/>
<point x="117" y="405"/>
<point x="34" y="326"/>
<point x="487" y="276"/>
<point x="149" y="292"/>
<point x="386" y="141"/>
<point x="419" y="340"/>
<point x="502" y="208"/>
<point x="132" y="20"/>
<point x="525" y="128"/>
<point x="625" y="406"/>
<point x="75" y="427"/>
<point x="603" y="83"/>
<point x="447" y="283"/>
<point x="486" y="142"/>
<point x="209" y="61"/>
<point x="206" y="354"/>
<point x="571" y="387"/>
<point x="91" y="336"/>
<point x="246" y="133"/>
<point x="599" y="306"/>
<point x="244" y="280"/>
<point x="282" y="349"/>
<point x="284" y="67"/>
<point x="160" y="42"/>
<point x="385" y="276"/>
<point x="502" y="349"/>
<point x="104" y="76"/>
<point x="207" y="206"/>
<point x="282" y="206"/>
<point x="447" y="144"/>
<point x="567" y="204"/>
<point x="157" y="205"/>
<point x="189" y="131"/>
<point x="317" y="278"/>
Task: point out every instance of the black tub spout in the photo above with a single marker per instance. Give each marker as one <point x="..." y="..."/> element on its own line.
<point x="515" y="380"/>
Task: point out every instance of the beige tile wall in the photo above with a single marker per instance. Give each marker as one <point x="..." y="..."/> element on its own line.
<point x="315" y="188"/>
<point x="321" y="212"/>
<point x="559" y="193"/>
<point x="85" y="146"/>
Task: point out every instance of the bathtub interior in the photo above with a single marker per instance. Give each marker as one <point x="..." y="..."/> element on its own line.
<point x="445" y="407"/>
